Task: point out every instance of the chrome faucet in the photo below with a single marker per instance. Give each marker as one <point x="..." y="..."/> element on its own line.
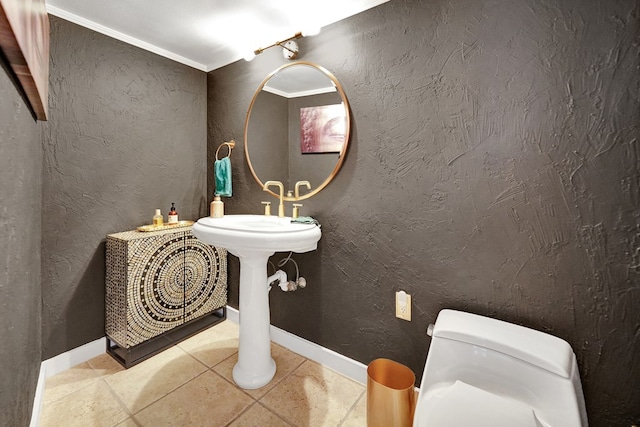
<point x="266" y="186"/>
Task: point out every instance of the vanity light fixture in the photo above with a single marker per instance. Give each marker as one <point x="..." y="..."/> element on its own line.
<point x="289" y="46"/>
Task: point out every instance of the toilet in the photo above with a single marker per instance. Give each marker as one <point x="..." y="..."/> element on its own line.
<point x="489" y="373"/>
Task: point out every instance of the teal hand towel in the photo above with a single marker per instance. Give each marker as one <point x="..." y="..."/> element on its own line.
<point x="222" y="172"/>
<point x="305" y="220"/>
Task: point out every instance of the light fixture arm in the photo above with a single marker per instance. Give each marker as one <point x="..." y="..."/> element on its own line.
<point x="279" y="43"/>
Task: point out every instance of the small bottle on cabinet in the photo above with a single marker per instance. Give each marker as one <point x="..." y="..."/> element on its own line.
<point x="172" y="218"/>
<point x="157" y="218"/>
<point x="217" y="208"/>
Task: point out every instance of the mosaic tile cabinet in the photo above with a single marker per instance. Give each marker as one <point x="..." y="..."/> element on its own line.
<point x="161" y="287"/>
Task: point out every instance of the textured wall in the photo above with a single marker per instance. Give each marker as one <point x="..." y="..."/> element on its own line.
<point x="494" y="168"/>
<point x="20" y="296"/>
<point x="267" y="132"/>
<point x="126" y="135"/>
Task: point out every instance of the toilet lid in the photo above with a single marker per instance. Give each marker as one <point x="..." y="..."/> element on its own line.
<point x="464" y="405"/>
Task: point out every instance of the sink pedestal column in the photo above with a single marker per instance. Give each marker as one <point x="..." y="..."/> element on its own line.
<point x="253" y="239"/>
<point x="255" y="367"/>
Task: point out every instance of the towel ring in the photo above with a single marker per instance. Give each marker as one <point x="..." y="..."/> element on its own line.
<point x="230" y="145"/>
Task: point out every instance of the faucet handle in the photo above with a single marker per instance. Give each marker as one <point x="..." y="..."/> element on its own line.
<point x="267" y="208"/>
<point x="296" y="210"/>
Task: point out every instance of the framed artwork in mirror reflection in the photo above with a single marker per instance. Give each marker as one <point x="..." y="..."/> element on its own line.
<point x="322" y="129"/>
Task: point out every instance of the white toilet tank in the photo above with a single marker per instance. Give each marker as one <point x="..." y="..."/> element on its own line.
<point x="486" y="372"/>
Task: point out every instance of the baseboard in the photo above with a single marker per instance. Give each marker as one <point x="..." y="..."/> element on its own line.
<point x="59" y="363"/>
<point x="39" y="398"/>
<point x="329" y="358"/>
<point x="74" y="357"/>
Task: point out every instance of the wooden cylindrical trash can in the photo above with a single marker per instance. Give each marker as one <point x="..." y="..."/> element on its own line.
<point x="390" y="394"/>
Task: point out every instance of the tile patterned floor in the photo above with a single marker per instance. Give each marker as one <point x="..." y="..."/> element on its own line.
<point x="190" y="385"/>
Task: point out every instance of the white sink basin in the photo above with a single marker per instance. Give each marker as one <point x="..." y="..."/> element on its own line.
<point x="257" y="232"/>
<point x="253" y="239"/>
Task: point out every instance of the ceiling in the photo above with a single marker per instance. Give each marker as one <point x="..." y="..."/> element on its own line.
<point x="204" y="34"/>
<point x="301" y="80"/>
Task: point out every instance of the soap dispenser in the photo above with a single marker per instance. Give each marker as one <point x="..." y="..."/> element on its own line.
<point x="157" y="218"/>
<point x="217" y="208"/>
<point x="172" y="218"/>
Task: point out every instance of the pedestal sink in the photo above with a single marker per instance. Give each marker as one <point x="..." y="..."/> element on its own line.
<point x="253" y="239"/>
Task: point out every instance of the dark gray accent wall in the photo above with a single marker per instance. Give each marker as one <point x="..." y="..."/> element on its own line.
<point x="494" y="167"/>
<point x="126" y="135"/>
<point x="20" y="231"/>
<point x="267" y="137"/>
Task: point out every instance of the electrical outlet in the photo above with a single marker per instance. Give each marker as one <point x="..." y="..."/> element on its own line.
<point x="403" y="305"/>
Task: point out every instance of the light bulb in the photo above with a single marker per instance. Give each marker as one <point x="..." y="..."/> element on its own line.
<point x="249" y="56"/>
<point x="310" y="31"/>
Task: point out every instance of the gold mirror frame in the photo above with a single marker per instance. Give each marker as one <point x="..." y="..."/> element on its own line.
<point x="343" y="151"/>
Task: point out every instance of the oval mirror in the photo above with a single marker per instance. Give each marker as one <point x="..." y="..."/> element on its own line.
<point x="297" y="128"/>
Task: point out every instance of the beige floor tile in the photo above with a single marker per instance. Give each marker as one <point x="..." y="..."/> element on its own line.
<point x="105" y="365"/>
<point x="176" y="388"/>
<point x="207" y="400"/>
<point x="286" y="362"/>
<point x="92" y="405"/>
<point x="213" y="345"/>
<point x="67" y="382"/>
<point x="313" y="396"/>
<point x="258" y="415"/>
<point x="148" y="381"/>
<point x="358" y="415"/>
<point x="128" y="423"/>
